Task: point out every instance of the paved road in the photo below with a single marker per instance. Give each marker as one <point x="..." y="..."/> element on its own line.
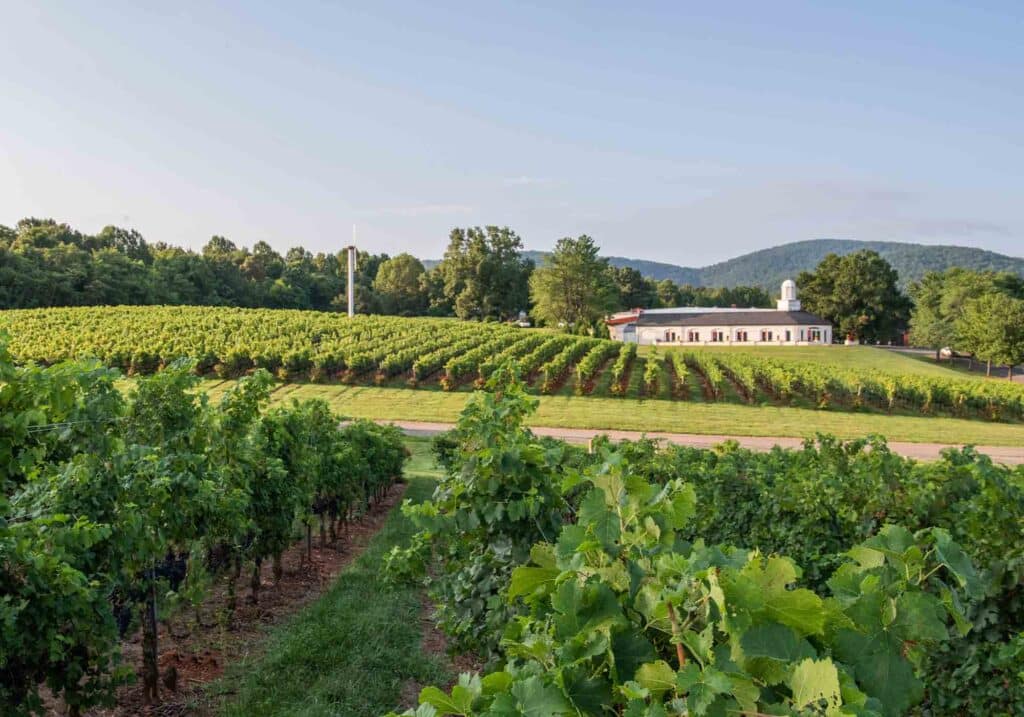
<point x="1010" y="455"/>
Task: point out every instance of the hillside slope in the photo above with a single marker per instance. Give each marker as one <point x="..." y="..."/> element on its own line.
<point x="769" y="267"/>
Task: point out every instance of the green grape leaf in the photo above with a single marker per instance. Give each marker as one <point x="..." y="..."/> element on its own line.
<point x="953" y="557"/>
<point x="814" y="681"/>
<point x="880" y="668"/>
<point x="495" y="682"/>
<point x="776" y="642"/>
<point x="658" y="677"/>
<point x="601" y="522"/>
<point x="445" y="704"/>
<point x="535" y="699"/>
<point x="528" y="580"/>
<point x="758" y="593"/>
<point x="701" y="686"/>
<point x="631" y="648"/>
<point x="919" y="617"/>
<point x="588" y="693"/>
<point x="684" y="507"/>
<point x="584" y="608"/>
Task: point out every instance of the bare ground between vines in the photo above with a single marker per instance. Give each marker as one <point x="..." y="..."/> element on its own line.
<point x="436" y="643"/>
<point x="199" y="653"/>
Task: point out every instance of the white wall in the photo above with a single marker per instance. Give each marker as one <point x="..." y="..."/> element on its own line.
<point x="647" y="335"/>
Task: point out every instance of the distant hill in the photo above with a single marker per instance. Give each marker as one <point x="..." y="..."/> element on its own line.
<point x="655" y="269"/>
<point x="769" y="267"/>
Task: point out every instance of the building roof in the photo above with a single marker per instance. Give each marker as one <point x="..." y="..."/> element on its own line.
<point x="735" y="317"/>
<point x="622" y="319"/>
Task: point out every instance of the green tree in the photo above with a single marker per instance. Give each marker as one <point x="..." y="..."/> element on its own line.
<point x="940" y="298"/>
<point x="635" y="291"/>
<point x="929" y="324"/>
<point x="126" y="241"/>
<point x="432" y="286"/>
<point x="858" y="293"/>
<point x="669" y="294"/>
<point x="485" y="275"/>
<point x="398" y="284"/>
<point x="992" y="328"/>
<point x="573" y="287"/>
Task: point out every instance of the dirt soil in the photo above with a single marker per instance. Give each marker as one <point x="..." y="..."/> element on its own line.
<point x="435" y="643"/>
<point x="196" y="647"/>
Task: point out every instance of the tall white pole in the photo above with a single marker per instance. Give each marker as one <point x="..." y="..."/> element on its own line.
<point x="352" y="274"/>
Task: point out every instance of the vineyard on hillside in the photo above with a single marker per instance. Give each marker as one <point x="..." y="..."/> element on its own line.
<point x="451" y="355"/>
<point x="115" y="508"/>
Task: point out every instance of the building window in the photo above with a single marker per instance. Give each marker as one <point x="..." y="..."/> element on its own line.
<point x="766" y="334"/>
<point x="815" y="335"/>
<point x="741" y="335"/>
<point x="692" y="336"/>
<point x="802" y="335"/>
<point x="717" y="336"/>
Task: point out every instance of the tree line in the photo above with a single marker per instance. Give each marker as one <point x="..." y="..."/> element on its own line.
<point x="977" y="313"/>
<point x="483" y="275"/>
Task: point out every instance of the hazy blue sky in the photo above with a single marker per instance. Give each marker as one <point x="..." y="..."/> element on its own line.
<point x="684" y="132"/>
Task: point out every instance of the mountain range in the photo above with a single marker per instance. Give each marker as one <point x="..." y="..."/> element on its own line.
<point x="769" y="267"/>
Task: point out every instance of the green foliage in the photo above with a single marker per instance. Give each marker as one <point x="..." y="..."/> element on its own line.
<point x="652" y="373"/>
<point x="858" y="293"/>
<point x="624" y="616"/>
<point x="552" y="372"/>
<point x="110" y="502"/>
<point x="813" y="503"/>
<point x="499" y="497"/>
<point x="399" y="286"/>
<point x="991" y="327"/>
<point x="767" y="268"/>
<point x="483" y="275"/>
<point x="710" y="369"/>
<point x="572" y="286"/>
<point x="828" y="386"/>
<point x="44" y="263"/>
<point x="638" y="606"/>
<point x="592" y="362"/>
<point x="679" y="371"/>
<point x="317" y="346"/>
<point x="620" y="369"/>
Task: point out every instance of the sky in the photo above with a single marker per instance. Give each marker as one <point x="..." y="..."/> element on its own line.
<point x="685" y="132"/>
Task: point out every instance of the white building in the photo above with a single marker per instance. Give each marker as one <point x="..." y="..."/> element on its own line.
<point x="785" y="325"/>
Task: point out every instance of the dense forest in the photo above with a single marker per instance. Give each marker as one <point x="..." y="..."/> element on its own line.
<point x="485" y="274"/>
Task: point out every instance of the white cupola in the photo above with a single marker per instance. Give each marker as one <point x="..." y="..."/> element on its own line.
<point x="788" y="300"/>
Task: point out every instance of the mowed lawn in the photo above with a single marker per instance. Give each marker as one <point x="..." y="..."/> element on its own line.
<point x="863" y="358"/>
<point x="383" y="403"/>
<point x="357" y="650"/>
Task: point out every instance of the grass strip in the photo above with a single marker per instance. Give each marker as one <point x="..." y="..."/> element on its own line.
<point x="352" y="651"/>
<point x="671" y="416"/>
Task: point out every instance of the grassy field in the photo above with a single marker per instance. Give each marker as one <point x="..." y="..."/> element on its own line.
<point x="865" y="358"/>
<point x="356" y="649"/>
<point x="655" y="415"/>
